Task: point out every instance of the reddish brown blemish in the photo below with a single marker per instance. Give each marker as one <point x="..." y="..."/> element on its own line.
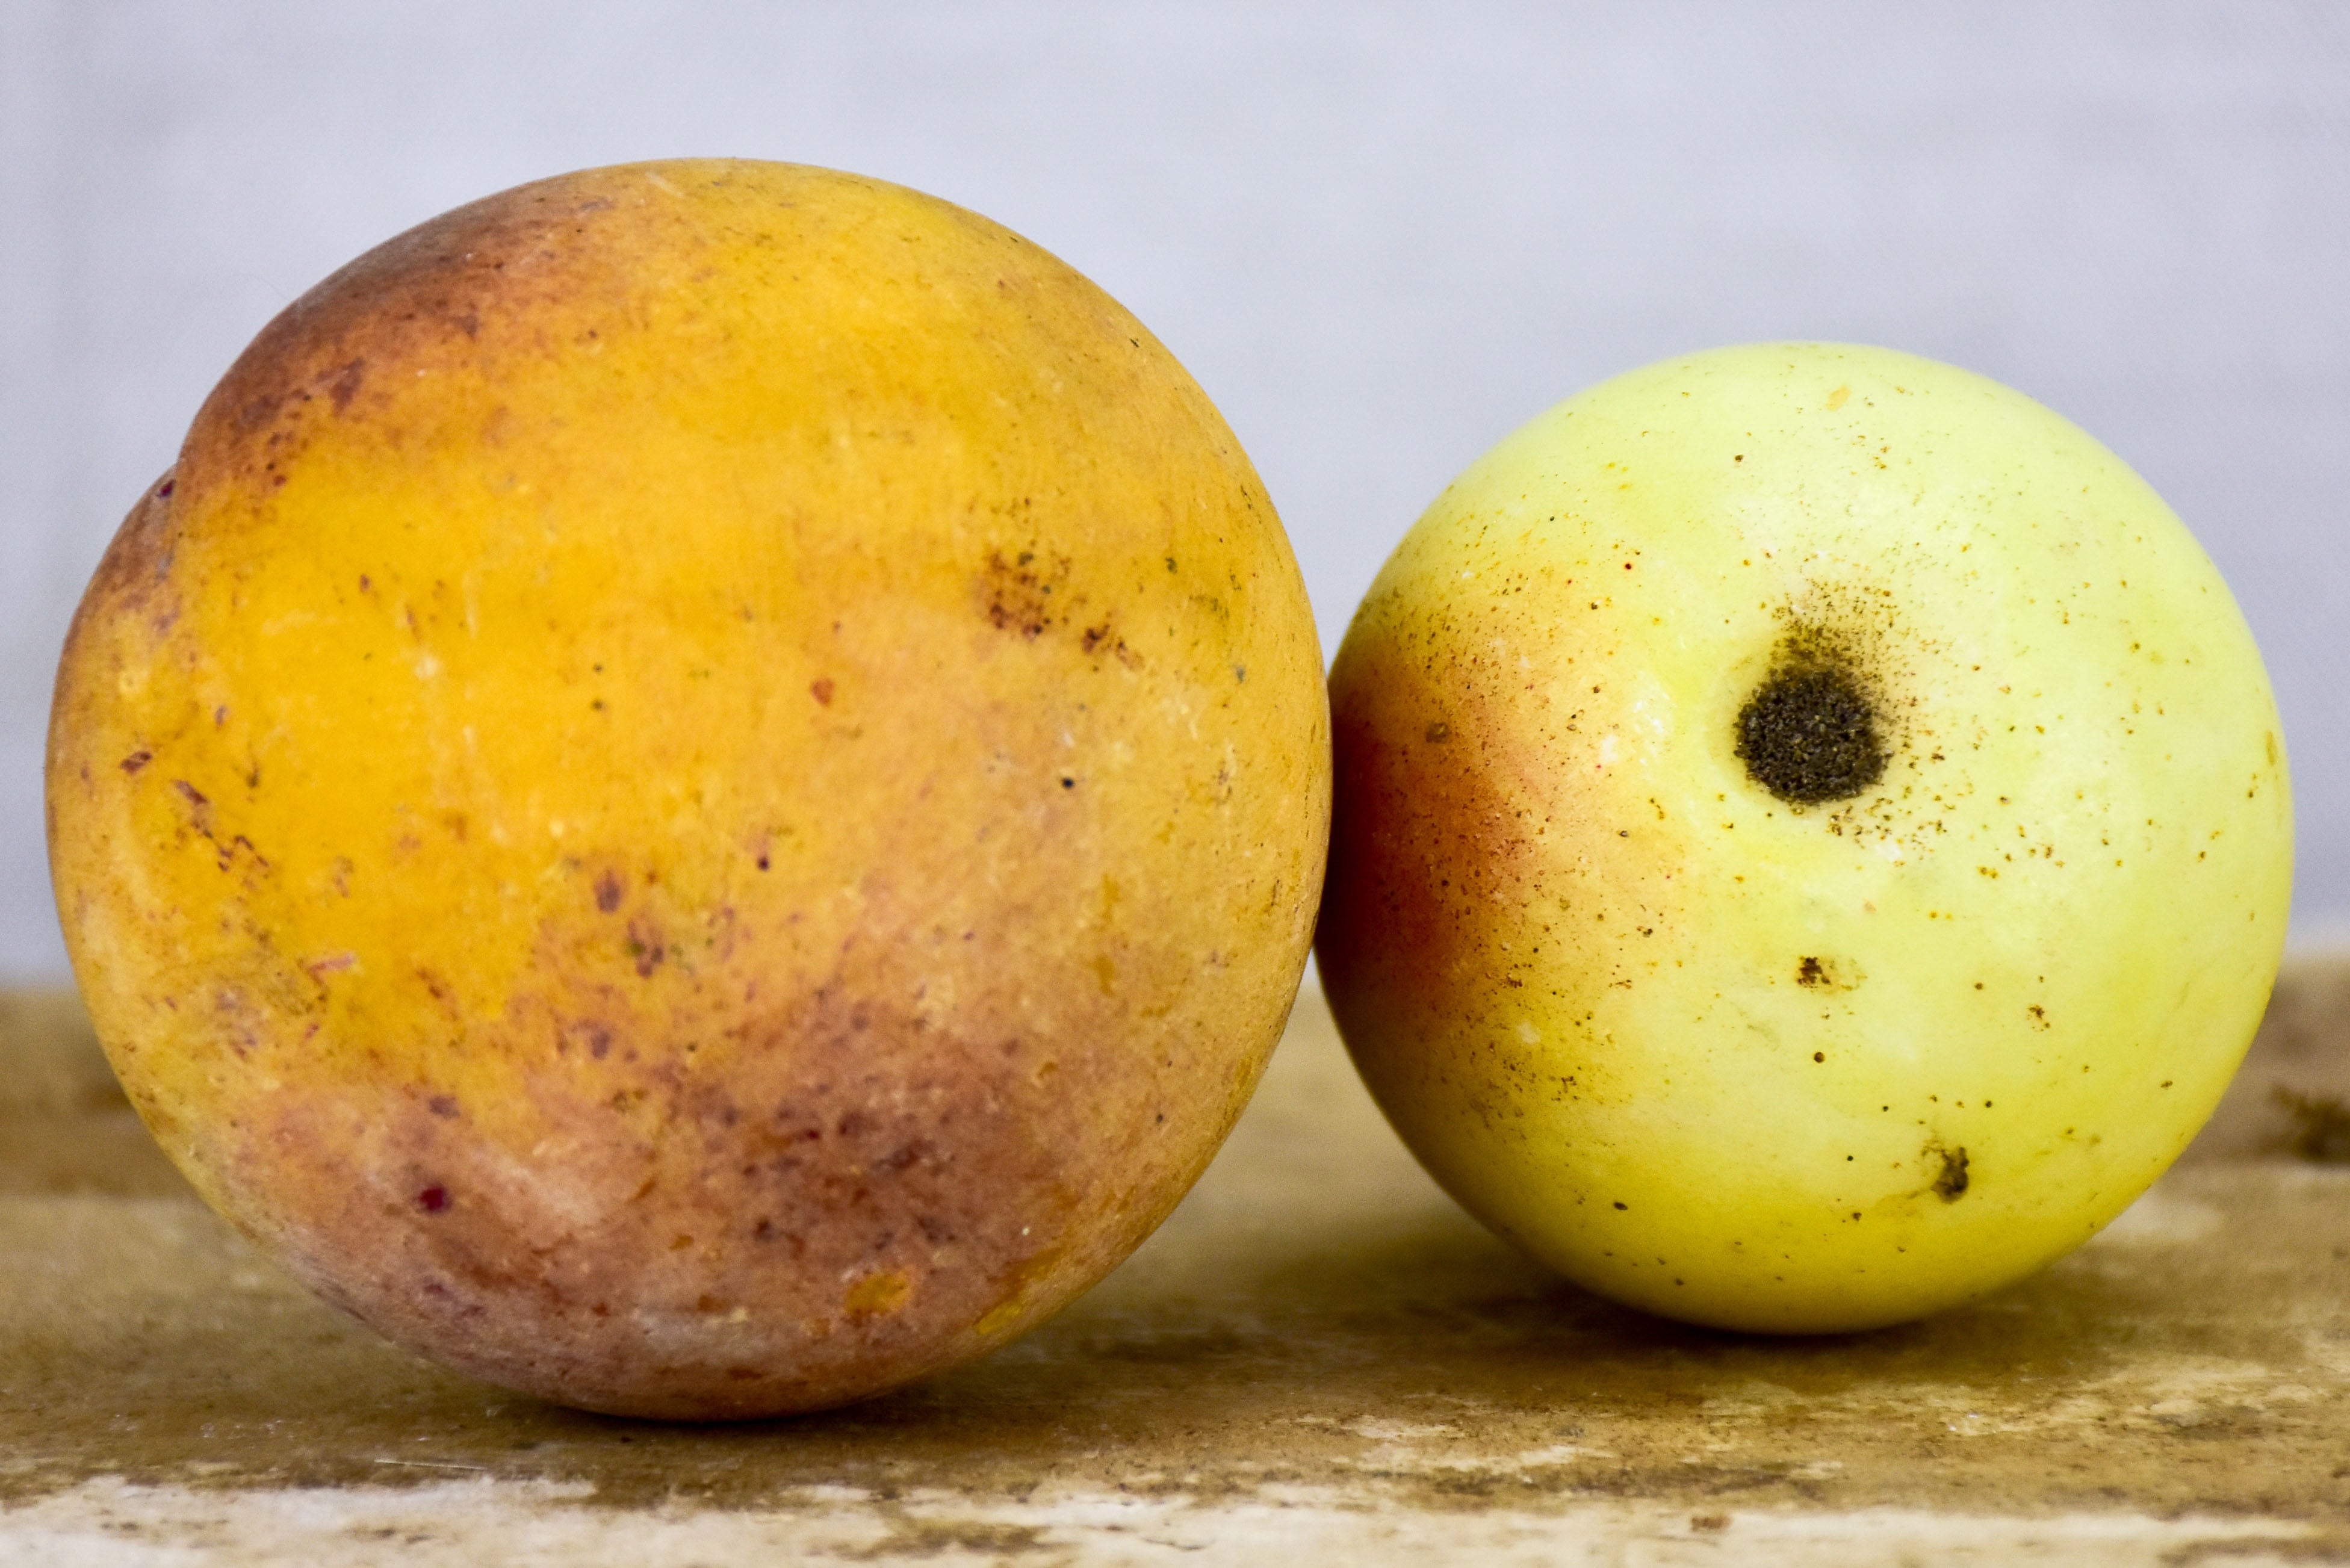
<point x="139" y="558"/>
<point x="1422" y="839"/>
<point x="137" y="760"/>
<point x="254" y="412"/>
<point x="850" y="1142"/>
<point x="436" y="296"/>
<point x="432" y="1199"/>
<point x="441" y="1104"/>
<point x="346" y="384"/>
<point x="821" y="689"/>
<point x="646" y="947"/>
<point x="1019" y="592"/>
<point x="607" y="892"/>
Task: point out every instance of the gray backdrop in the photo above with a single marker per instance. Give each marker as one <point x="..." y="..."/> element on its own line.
<point x="1380" y="235"/>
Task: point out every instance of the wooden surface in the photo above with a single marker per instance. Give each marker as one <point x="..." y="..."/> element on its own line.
<point x="1319" y="1357"/>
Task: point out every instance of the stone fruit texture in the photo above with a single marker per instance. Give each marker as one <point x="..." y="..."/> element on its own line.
<point x="702" y="793"/>
<point x="1813" y="838"/>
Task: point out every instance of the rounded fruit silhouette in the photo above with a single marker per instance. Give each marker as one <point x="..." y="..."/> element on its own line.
<point x="1813" y="839"/>
<point x="703" y="792"/>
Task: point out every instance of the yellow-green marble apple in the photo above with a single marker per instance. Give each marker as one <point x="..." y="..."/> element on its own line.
<point x="1813" y="838"/>
<point x="703" y="792"/>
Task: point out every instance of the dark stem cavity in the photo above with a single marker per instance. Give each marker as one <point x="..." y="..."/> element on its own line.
<point x="1808" y="734"/>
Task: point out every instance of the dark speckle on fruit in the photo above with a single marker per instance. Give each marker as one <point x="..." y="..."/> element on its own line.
<point x="1018" y="592"/>
<point x="1951" y="1180"/>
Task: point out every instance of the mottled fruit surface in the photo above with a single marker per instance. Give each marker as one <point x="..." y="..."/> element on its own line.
<point x="1813" y="838"/>
<point x="703" y="791"/>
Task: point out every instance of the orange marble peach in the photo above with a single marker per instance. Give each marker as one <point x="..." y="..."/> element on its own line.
<point x="702" y="793"/>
